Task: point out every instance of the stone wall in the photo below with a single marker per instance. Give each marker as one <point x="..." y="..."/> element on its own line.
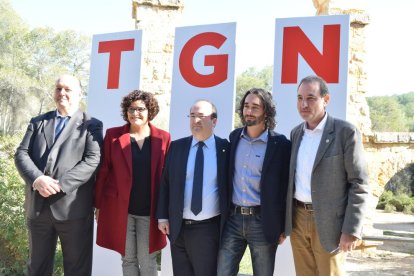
<point x="157" y="19"/>
<point x="387" y="153"/>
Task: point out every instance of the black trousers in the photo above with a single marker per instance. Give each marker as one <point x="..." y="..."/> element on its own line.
<point x="76" y="237"/>
<point x="195" y="251"/>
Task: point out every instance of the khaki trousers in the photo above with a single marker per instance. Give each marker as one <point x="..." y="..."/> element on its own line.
<point x="309" y="256"/>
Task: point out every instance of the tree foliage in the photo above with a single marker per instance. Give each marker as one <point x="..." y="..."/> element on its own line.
<point x="13" y="235"/>
<point x="30" y="61"/>
<point x="402" y="183"/>
<point x="392" y="113"/>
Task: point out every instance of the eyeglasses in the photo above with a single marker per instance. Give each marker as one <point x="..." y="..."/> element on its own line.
<point x="193" y="116"/>
<point x="131" y="110"/>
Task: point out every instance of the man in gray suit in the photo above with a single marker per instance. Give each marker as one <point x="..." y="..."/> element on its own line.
<point x="328" y="185"/>
<point x="57" y="159"/>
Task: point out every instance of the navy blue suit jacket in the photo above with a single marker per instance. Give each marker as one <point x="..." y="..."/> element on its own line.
<point x="171" y="195"/>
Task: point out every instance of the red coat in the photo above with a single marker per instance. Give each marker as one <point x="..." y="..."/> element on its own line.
<point x="113" y="187"/>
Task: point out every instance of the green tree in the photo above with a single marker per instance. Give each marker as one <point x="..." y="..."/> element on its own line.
<point x="13" y="235"/>
<point x="13" y="56"/>
<point x="407" y="102"/>
<point x="30" y="61"/>
<point x="386" y="114"/>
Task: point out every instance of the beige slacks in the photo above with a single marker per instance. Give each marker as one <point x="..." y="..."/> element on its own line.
<point x="309" y="256"/>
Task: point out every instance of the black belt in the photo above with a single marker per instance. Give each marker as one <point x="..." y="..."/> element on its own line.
<point x="306" y="206"/>
<point x="246" y="211"/>
<point x="193" y="222"/>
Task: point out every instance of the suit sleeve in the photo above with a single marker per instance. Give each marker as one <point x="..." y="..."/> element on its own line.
<point x="24" y="163"/>
<point x="358" y="192"/>
<point x="103" y="171"/>
<point x="164" y="193"/>
<point x="87" y="166"/>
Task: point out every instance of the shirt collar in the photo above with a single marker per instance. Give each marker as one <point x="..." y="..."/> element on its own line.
<point x="60" y="115"/>
<point x="262" y="137"/>
<point x="320" y="127"/>
<point x="209" y="142"/>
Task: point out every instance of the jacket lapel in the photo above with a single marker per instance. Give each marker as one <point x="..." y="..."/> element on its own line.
<point x="233" y="147"/>
<point x="296" y="140"/>
<point x="270" y="150"/>
<point x="328" y="136"/>
<point x="221" y="158"/>
<point x="182" y="168"/>
<point x="125" y="143"/>
<point x="156" y="148"/>
<point x="49" y="129"/>
<point x="74" y="124"/>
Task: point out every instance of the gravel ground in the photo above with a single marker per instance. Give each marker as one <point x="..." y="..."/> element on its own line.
<point x="390" y="258"/>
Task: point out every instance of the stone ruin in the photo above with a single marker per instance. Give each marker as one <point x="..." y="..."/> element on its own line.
<point x="387" y="153"/>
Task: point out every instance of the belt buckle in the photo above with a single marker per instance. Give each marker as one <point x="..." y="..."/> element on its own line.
<point x="245" y="211"/>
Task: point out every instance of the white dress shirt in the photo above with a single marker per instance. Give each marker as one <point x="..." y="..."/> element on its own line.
<point x="306" y="159"/>
<point x="211" y="203"/>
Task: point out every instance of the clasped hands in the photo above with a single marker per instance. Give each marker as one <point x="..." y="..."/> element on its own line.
<point x="46" y="186"/>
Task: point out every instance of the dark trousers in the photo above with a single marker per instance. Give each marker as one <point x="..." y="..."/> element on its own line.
<point x="76" y="237"/>
<point x="194" y="253"/>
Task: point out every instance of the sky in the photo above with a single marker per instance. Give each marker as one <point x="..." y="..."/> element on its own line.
<point x="390" y="43"/>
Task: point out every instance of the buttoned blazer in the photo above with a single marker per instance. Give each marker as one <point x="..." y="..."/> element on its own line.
<point x="273" y="181"/>
<point x="171" y="196"/>
<point x="114" y="183"/>
<point x="72" y="159"/>
<point x="339" y="183"/>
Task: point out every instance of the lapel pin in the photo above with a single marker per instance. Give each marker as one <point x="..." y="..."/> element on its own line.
<point x="327" y="141"/>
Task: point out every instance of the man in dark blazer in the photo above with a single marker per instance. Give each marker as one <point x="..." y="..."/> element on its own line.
<point x="194" y="234"/>
<point x="259" y="170"/>
<point x="328" y="185"/>
<point x="57" y="159"/>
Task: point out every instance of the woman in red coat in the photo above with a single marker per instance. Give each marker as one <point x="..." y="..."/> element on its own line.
<point x="127" y="186"/>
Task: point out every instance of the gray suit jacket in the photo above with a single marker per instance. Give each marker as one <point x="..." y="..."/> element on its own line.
<point x="72" y="159"/>
<point x="339" y="182"/>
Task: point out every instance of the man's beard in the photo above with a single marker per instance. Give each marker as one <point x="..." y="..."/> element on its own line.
<point x="253" y="122"/>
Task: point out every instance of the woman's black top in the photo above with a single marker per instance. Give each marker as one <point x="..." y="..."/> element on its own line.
<point x="140" y="198"/>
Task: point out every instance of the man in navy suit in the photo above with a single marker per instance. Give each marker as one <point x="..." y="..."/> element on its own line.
<point x="259" y="171"/>
<point x="58" y="158"/>
<point x="193" y="220"/>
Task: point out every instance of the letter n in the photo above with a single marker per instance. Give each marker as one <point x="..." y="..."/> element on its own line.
<point x="325" y="64"/>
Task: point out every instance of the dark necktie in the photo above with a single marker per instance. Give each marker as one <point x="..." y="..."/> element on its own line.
<point x="197" y="196"/>
<point x="60" y="125"/>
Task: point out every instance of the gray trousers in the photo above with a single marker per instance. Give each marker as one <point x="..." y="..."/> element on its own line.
<point x="137" y="260"/>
